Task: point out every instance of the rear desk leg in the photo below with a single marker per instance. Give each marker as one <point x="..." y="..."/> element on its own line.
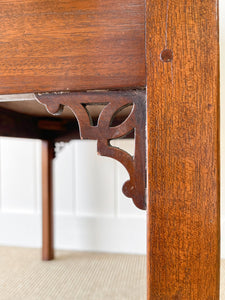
<point x="47" y="200"/>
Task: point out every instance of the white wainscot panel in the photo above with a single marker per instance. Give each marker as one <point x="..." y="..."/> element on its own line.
<point x="84" y="183"/>
<point x="222" y="237"/>
<point x="20" y="229"/>
<point x="18" y="175"/>
<point x="120" y="235"/>
<point x="64" y="182"/>
<point x="94" y="180"/>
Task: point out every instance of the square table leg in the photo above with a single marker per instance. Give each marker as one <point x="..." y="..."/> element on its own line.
<point x="47" y="200"/>
<point x="182" y="56"/>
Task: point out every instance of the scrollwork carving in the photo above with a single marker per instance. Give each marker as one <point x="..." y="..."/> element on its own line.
<point x="104" y="132"/>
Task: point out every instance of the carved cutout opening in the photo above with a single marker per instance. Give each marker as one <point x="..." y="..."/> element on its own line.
<point x="94" y="111"/>
<point x="127" y="145"/>
<point x="121" y="115"/>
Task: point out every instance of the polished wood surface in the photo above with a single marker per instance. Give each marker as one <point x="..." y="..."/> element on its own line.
<point x="47" y="200"/>
<point x="183" y="149"/>
<point x="71" y="45"/>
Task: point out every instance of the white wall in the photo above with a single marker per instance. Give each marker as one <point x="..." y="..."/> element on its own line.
<point x="91" y="212"/>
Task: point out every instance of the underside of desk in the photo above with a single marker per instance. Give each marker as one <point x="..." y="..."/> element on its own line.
<point x="22" y="116"/>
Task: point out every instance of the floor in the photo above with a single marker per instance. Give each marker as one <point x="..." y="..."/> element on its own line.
<point x="74" y="275"/>
<point x="222" y="280"/>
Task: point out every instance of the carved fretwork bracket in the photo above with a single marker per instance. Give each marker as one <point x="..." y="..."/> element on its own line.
<point x="105" y="130"/>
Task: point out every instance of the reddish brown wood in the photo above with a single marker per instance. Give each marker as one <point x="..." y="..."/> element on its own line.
<point x="183" y="149"/>
<point x="71" y="45"/>
<point x="13" y="124"/>
<point x="18" y="125"/>
<point x="104" y="131"/>
<point x="47" y="200"/>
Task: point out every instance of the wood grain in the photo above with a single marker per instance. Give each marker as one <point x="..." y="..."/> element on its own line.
<point x="183" y="149"/>
<point x="71" y="45"/>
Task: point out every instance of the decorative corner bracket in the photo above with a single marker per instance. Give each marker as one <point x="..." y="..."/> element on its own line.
<point x="105" y="129"/>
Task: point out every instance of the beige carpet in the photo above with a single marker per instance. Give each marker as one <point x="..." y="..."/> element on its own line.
<point x="222" y="280"/>
<point x="74" y="275"/>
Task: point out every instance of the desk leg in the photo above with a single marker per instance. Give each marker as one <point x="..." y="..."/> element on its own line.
<point x="183" y="149"/>
<point x="47" y="200"/>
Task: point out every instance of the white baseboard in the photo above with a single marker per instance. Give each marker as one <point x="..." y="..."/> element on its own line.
<point x="121" y="235"/>
<point x="82" y="233"/>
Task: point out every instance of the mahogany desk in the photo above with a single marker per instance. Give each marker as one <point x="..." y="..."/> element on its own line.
<point x="95" y="58"/>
